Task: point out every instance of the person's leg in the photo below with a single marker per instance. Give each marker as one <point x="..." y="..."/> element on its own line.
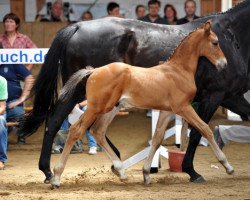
<point x="91" y="143"/>
<point x="235" y="133"/>
<point x="14" y="115"/>
<point x="60" y="137"/>
<point x="3" y="141"/>
<point x="90" y="139"/>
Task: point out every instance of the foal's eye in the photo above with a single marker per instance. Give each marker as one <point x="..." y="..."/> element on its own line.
<point x="215" y="43"/>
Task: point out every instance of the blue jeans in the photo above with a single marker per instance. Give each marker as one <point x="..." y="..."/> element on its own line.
<point x="3" y="138"/>
<point x="13" y="114"/>
<point x="90" y="139"/>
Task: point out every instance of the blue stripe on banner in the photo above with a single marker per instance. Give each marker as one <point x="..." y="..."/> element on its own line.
<point x="23" y="56"/>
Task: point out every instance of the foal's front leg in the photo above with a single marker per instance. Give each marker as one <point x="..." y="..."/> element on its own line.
<point x="162" y="123"/>
<point x="98" y="130"/>
<point x="192" y="118"/>
<point x="74" y="134"/>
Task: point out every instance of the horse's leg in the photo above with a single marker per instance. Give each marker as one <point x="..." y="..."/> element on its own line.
<point x="98" y="130"/>
<point x="239" y="105"/>
<point x="205" y="111"/>
<point x="52" y="125"/>
<point x="161" y="127"/>
<point x="191" y="116"/>
<point x="74" y="134"/>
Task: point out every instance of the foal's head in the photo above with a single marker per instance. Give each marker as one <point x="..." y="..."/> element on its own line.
<point x="210" y="47"/>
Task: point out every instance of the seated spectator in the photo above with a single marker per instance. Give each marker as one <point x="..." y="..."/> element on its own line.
<point x="153" y="10"/>
<point x="14" y="74"/>
<point x="113" y="9"/>
<point x="224" y="134"/>
<point x="61" y="136"/>
<point x="11" y="38"/>
<point x="3" y="128"/>
<point x="140" y="11"/>
<point x="170" y="14"/>
<point x="86" y="16"/>
<point x="56" y="14"/>
<point x="190" y="9"/>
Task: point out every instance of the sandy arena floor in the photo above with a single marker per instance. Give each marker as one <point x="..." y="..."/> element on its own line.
<point x="90" y="177"/>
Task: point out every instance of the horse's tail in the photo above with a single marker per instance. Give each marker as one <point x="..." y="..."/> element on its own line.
<point x="46" y="85"/>
<point x="77" y="81"/>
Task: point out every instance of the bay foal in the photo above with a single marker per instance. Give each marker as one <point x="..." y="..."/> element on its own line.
<point x="169" y="87"/>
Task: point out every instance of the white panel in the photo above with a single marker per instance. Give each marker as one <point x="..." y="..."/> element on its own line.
<point x="30" y="10"/>
<point x="4" y="8"/>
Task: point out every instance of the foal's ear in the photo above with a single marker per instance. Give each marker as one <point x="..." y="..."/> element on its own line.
<point x="207" y="26"/>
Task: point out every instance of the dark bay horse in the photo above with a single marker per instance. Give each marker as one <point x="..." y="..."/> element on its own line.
<point x="107" y="40"/>
<point x="129" y="86"/>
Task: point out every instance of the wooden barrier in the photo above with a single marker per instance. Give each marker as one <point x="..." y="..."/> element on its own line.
<point x="41" y="33"/>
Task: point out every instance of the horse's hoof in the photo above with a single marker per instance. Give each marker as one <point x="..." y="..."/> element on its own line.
<point x="153" y="170"/>
<point x="47" y="181"/>
<point x="200" y="179"/>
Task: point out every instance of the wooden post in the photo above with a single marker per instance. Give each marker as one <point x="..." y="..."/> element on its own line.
<point x="210" y="6"/>
<point x="18" y="7"/>
<point x="39" y="4"/>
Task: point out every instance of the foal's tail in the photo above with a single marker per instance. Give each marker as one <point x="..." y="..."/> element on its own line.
<point x="77" y="81"/>
<point x="45" y="89"/>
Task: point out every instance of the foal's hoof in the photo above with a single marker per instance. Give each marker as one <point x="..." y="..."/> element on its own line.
<point x="147" y="180"/>
<point x="54" y="187"/>
<point x="114" y="171"/>
<point x="124" y="178"/>
<point x="230" y="171"/>
<point x="200" y="179"/>
<point x="55" y="183"/>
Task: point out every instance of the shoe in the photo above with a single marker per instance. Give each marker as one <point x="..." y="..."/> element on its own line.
<point x="149" y="113"/>
<point x="2" y="166"/>
<point x="92" y="150"/>
<point x="218" y="138"/>
<point x="57" y="149"/>
<point x="77" y="148"/>
<point x="20" y="140"/>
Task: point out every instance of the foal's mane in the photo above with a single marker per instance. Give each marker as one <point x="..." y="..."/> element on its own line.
<point x="186" y="37"/>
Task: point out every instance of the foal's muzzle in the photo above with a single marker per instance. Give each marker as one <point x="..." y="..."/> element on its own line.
<point x="221" y="63"/>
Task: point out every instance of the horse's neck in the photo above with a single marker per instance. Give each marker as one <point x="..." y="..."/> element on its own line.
<point x="236" y="22"/>
<point x="186" y="55"/>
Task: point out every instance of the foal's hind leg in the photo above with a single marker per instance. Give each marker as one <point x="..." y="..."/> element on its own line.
<point x="191" y="116"/>
<point x="74" y="134"/>
<point x="98" y="130"/>
<point x="161" y="127"/>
